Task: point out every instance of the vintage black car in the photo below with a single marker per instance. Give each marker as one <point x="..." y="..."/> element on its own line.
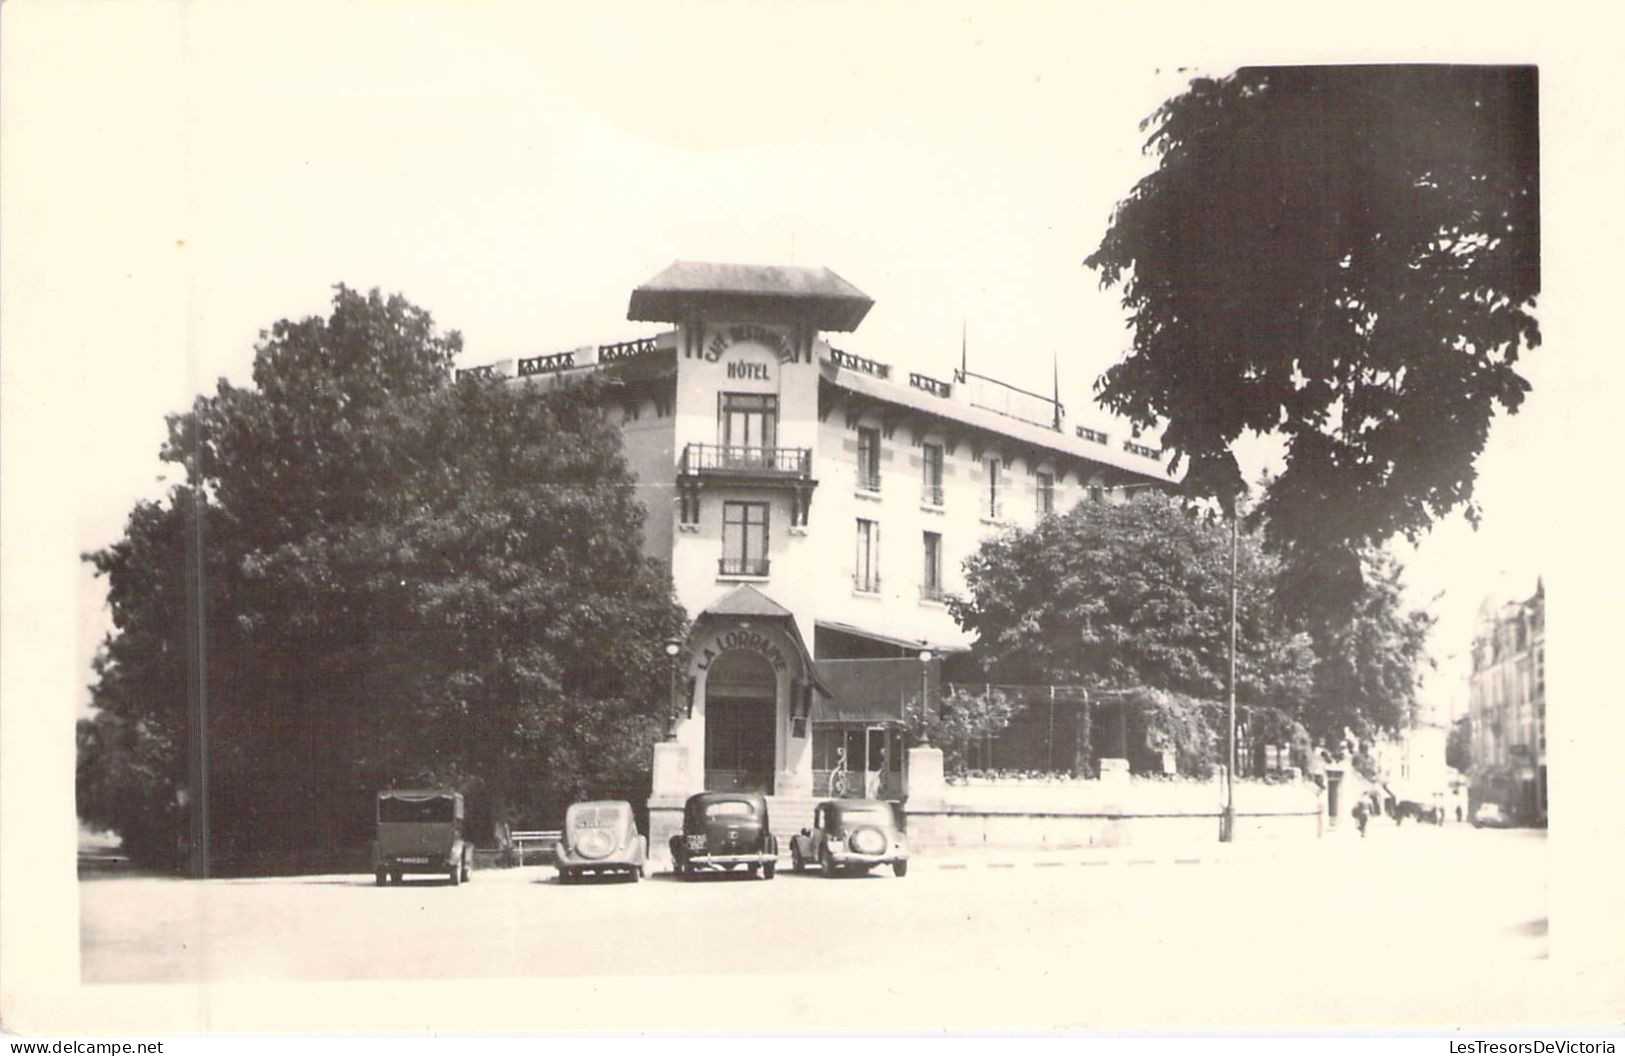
<point x="600" y="839"/>
<point x="851" y="835"/>
<point x="723" y="831"/>
<point x="420" y="831"/>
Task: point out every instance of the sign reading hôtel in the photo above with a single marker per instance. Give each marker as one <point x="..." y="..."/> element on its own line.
<point x="749" y="333"/>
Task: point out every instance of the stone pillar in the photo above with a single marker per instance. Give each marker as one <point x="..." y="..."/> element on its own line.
<point x="1114" y="773"/>
<point x="927" y="794"/>
<point x="670" y="789"/>
<point x="926" y="786"/>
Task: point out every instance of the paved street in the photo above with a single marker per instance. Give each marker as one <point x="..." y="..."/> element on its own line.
<point x="1407" y="902"/>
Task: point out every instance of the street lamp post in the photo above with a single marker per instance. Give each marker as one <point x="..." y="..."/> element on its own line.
<point x="673" y="647"/>
<point x="925" y="694"/>
<point x="1227" y="827"/>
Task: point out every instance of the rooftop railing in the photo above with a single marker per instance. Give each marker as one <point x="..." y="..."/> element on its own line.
<point x="625" y="349"/>
<point x="929" y="384"/>
<point x="1092" y="435"/>
<point x="859" y="364"/>
<point x="1142" y="449"/>
<point x="547" y="364"/>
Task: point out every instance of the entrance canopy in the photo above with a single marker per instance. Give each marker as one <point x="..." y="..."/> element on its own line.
<point x="745" y="606"/>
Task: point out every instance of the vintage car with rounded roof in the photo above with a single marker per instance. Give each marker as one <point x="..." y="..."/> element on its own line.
<point x="600" y="838"/>
<point x="851" y="835"/>
<point x="723" y="831"/>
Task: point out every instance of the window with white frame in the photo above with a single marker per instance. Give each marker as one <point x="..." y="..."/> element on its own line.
<point x="868" y="458"/>
<point x="866" y="575"/>
<point x="1046" y="493"/>
<point x="931" y="465"/>
<point x="931" y="575"/>
<point x="744" y="539"/>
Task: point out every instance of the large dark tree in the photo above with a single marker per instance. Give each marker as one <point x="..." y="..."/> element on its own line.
<point x="408" y="581"/>
<point x="1343" y="256"/>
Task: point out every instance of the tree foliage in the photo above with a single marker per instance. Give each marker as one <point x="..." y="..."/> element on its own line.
<point x="1343" y="256"/>
<point x="1130" y="595"/>
<point x="1458" y="745"/>
<point x="408" y="581"/>
<point x="1136" y="597"/>
<point x="957" y="722"/>
<point x="1369" y="659"/>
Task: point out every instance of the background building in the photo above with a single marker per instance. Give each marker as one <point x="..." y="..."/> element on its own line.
<point x="1507" y="702"/>
<point x="815" y="510"/>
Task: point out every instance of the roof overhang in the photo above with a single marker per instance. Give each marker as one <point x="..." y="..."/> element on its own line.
<point x="914" y="644"/>
<point x="750" y="293"/>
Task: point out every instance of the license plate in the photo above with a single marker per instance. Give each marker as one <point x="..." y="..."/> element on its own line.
<point x="694" y="843"/>
<point x="414" y="861"/>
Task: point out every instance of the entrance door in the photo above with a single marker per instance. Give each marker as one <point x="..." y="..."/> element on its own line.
<point x="741" y="709"/>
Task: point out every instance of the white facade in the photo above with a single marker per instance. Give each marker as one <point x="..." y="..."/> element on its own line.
<point x="768" y="458"/>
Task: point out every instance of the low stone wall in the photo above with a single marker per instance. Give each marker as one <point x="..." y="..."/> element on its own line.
<point x="1126" y="812"/>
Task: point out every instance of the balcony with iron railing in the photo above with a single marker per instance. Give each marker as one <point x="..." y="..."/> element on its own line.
<point x="931" y="494"/>
<point x="932" y="592"/>
<point x="764" y="463"/>
<point x="743" y="566"/>
<point x="869" y="480"/>
<point x="866" y="582"/>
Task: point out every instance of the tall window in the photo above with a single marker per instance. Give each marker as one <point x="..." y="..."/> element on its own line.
<point x="744" y="539"/>
<point x="868" y="458"/>
<point x="866" y="576"/>
<point x="1046" y="493"/>
<point x="748" y="420"/>
<point x="931" y="486"/>
<point x="931" y="577"/>
<point x="993" y="469"/>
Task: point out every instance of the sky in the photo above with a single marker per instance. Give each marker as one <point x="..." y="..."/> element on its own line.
<point x="195" y="172"/>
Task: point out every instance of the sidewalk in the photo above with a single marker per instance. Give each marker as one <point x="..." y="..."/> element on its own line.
<point x="973" y="858"/>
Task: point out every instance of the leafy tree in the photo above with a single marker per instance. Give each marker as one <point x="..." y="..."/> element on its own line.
<point x="1343" y="256"/>
<point x="1369" y="659"/>
<point x="1458" y="745"/>
<point x="1132" y="595"/>
<point x="408" y="581"/>
<point x="957" y="722"/>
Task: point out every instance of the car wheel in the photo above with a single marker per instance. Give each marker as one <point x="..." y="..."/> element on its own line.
<point x="381" y="877"/>
<point x="395" y="877"/>
<point x="797" y="863"/>
<point x="754" y="870"/>
<point x="465" y="870"/>
<point x="456" y="875"/>
<point x="768" y="869"/>
<point x="899" y="869"/>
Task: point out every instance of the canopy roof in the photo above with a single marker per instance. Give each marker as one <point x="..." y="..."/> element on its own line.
<point x="750" y="293"/>
<point x="745" y="602"/>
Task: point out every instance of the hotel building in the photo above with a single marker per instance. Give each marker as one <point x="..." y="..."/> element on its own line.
<point x="815" y="507"/>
